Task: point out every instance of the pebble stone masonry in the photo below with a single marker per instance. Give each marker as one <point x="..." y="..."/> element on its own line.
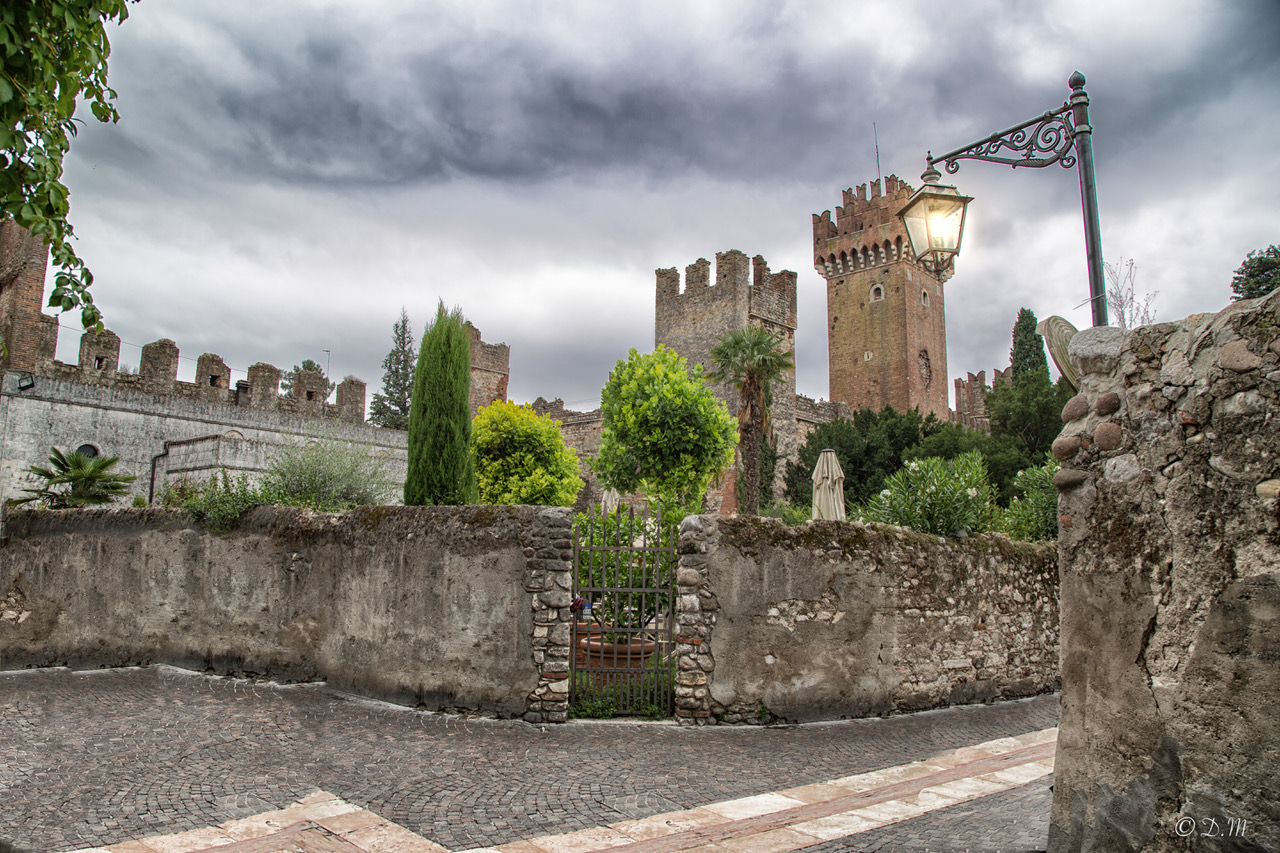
<point x="1170" y="563"/>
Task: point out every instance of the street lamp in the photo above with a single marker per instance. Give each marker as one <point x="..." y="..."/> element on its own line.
<point x="934" y="215"/>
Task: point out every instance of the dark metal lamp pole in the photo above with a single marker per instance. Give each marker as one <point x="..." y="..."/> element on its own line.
<point x="1042" y="141"/>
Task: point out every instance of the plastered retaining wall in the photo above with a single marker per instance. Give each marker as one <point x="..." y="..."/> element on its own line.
<point x="468" y="607"/>
<point x="1169" y="498"/>
<point x="836" y="619"/>
<point x="449" y="607"/>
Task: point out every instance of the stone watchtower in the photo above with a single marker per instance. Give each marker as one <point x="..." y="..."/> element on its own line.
<point x="886" y="333"/>
<point x="693" y="320"/>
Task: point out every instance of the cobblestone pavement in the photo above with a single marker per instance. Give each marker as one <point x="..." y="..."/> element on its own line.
<point x="102" y="757"/>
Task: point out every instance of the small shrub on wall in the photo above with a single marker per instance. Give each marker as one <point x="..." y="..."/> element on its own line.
<point x="521" y="458"/>
<point x="327" y="477"/>
<point x="1034" y="515"/>
<point x="948" y="497"/>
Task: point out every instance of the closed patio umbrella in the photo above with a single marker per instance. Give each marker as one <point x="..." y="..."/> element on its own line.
<point x="828" y="488"/>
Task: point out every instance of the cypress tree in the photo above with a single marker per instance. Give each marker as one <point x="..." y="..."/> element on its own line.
<point x="1027" y="355"/>
<point x="441" y="470"/>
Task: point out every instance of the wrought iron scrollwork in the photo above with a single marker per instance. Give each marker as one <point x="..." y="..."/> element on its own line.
<point x="1042" y="141"/>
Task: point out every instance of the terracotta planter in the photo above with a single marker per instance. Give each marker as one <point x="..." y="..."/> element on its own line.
<point x="583" y="631"/>
<point x="609" y="662"/>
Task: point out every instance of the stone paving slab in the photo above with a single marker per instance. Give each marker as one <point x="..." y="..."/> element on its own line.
<point x="105" y="758"/>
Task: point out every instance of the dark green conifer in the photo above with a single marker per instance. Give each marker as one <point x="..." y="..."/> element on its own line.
<point x="441" y="470"/>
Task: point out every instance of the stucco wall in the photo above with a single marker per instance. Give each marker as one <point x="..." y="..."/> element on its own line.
<point x="423" y="605"/>
<point x="842" y="619"/>
<point x="1169" y="499"/>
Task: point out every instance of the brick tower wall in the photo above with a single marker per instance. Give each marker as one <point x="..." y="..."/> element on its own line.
<point x="886" y="326"/>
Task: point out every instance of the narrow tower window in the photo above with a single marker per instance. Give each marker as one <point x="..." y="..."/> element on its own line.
<point x="877" y="293"/>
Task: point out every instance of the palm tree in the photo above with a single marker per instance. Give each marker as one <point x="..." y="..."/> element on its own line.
<point x="750" y="359"/>
<point x="90" y="481"/>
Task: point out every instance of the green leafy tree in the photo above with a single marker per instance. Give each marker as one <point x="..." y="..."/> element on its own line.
<point x="441" y="469"/>
<point x="76" y="480"/>
<point x="945" y="497"/>
<point x="390" y="409"/>
<point x="750" y="360"/>
<point x="1004" y="455"/>
<point x="53" y="53"/>
<point x="286" y="379"/>
<point x="1029" y="410"/>
<point x="1258" y="275"/>
<point x="665" y="434"/>
<point x="521" y="457"/>
<point x="1027" y="355"/>
<point x="869" y="449"/>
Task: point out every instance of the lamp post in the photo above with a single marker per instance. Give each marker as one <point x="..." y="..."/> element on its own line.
<point x="934" y="215"/>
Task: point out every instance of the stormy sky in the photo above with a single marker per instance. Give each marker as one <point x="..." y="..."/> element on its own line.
<point x="286" y="175"/>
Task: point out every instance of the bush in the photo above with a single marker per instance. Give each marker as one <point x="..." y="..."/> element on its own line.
<point x="665" y="433"/>
<point x="1034" y="516"/>
<point x="327" y="477"/>
<point x="790" y="515"/>
<point x="521" y="458"/>
<point x="218" y="503"/>
<point x="932" y="495"/>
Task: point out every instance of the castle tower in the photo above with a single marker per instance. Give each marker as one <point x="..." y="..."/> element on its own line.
<point x="886" y="330"/>
<point x="693" y="320"/>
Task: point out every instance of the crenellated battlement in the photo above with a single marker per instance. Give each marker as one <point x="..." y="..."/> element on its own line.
<point x="99" y="365"/>
<point x="743" y="286"/>
<point x="866" y="233"/>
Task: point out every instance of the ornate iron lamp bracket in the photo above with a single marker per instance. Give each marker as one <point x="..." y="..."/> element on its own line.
<point x="1041" y="141"/>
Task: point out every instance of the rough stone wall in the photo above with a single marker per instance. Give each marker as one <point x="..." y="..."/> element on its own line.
<point x="446" y="607"/>
<point x="886" y="325"/>
<point x="839" y="619"/>
<point x="490" y="370"/>
<point x="582" y="432"/>
<point x="1169" y="502"/>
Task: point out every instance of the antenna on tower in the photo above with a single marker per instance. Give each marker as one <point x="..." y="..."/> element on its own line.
<point x="877" y="137"/>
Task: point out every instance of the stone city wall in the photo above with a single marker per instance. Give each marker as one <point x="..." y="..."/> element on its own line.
<point x="1169" y="502"/>
<point x="420" y="605"/>
<point x="468" y="607"/>
<point x="839" y="619"/>
<point x="158" y="440"/>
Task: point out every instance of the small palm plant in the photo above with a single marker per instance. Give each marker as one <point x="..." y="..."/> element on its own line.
<point x="76" y="480"/>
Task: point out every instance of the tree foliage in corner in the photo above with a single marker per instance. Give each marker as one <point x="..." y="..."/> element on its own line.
<point x="665" y="434"/>
<point x="750" y="360"/>
<point x="1027" y="355"/>
<point x="390" y="409"/>
<point x="441" y="469"/>
<point x="1258" y="275"/>
<point x="521" y="458"/>
<point x="52" y="53"/>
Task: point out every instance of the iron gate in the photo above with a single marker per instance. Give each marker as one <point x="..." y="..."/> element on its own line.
<point x="623" y="651"/>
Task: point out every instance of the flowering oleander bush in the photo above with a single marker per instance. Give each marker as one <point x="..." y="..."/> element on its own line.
<point x="949" y="497"/>
<point x="1034" y="515"/>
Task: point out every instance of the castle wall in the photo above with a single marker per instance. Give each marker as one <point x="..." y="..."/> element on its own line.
<point x="886" y="325"/>
<point x="121" y="419"/>
<point x="490" y="369"/>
